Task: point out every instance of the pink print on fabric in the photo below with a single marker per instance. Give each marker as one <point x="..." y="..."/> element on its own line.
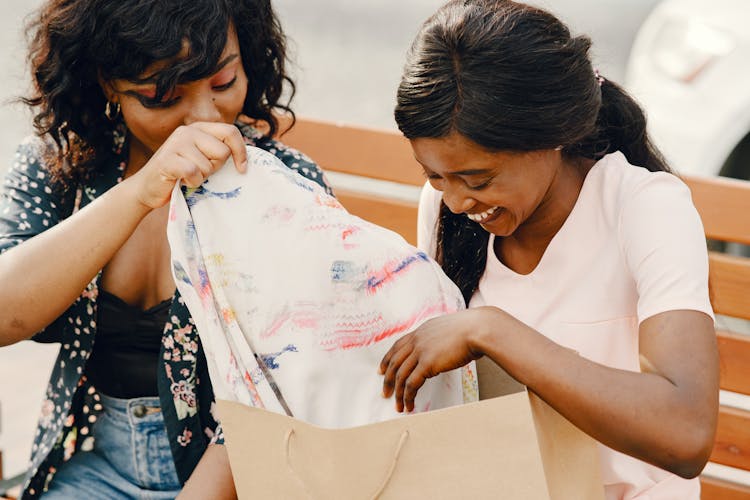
<point x="353" y="336"/>
<point x="296" y="301"/>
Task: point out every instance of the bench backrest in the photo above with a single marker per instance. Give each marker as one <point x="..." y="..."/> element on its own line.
<point x="376" y="177"/>
<point x="724" y="206"/>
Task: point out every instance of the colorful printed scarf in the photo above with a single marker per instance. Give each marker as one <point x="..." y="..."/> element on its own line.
<point x="295" y="332"/>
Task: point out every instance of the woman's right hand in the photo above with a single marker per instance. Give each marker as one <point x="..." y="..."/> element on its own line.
<point x="190" y="154"/>
<point x="438" y="345"/>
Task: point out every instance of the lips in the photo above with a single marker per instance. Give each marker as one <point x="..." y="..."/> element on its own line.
<point x="484" y="217"/>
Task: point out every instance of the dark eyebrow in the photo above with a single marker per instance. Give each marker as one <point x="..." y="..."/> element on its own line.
<point x="476" y="171"/>
<point x="219" y="66"/>
<point x="463" y="173"/>
<point x="225" y="61"/>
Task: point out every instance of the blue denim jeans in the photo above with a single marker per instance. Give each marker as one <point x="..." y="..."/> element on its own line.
<point x="131" y="458"/>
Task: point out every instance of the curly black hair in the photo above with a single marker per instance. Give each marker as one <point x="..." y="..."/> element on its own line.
<point x="75" y="43"/>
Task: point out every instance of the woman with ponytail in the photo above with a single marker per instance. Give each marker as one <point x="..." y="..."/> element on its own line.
<point x="581" y="257"/>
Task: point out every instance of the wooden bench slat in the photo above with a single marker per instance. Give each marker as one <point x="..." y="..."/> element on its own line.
<point x="378" y="154"/>
<point x="734" y="356"/>
<point x="718" y="489"/>
<point x="724" y="205"/>
<point x="729" y="284"/>
<point x="732" y="444"/>
<point x="396" y="215"/>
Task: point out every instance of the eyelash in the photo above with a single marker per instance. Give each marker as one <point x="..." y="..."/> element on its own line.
<point x="227" y="85"/>
<point x="482" y="185"/>
<point x="153" y="104"/>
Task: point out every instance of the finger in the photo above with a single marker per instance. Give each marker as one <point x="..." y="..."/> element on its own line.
<point x="401" y="377"/>
<point x="209" y="147"/>
<point x="415" y="381"/>
<point x="391" y="370"/>
<point x="231" y="137"/>
<point x="393" y="350"/>
<point x="188" y="171"/>
<point x="193" y="155"/>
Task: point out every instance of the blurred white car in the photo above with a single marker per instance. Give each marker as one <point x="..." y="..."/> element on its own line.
<point x="690" y="69"/>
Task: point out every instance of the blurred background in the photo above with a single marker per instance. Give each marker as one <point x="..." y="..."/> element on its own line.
<point x="347" y="57"/>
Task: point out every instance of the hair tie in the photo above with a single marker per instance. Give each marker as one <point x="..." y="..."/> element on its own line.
<point x="598" y="76"/>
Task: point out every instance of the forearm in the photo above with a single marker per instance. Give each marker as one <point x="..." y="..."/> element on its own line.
<point x="212" y="477"/>
<point x="644" y="415"/>
<point x="49" y="271"/>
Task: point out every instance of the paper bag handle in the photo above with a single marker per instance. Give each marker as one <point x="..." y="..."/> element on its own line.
<point x="383" y="483"/>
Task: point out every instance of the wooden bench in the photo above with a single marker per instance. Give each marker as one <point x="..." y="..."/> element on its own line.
<point x="376" y="177"/>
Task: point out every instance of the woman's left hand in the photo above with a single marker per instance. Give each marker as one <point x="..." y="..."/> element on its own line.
<point x="438" y="345"/>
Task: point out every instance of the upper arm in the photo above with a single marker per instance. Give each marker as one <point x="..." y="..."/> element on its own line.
<point x="681" y="346"/>
<point x="665" y="248"/>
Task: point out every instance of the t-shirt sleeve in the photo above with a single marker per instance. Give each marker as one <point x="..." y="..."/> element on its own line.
<point x="427" y="219"/>
<point x="665" y="247"/>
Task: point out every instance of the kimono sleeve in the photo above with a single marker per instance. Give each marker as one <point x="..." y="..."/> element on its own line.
<point x="29" y="203"/>
<point x="294" y="160"/>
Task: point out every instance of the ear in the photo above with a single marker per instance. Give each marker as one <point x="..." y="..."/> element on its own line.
<point x="108" y="88"/>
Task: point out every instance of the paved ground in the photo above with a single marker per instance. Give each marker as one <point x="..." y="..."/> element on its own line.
<point x="349" y="55"/>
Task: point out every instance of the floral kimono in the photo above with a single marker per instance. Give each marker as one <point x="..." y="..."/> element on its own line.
<point x="32" y="203"/>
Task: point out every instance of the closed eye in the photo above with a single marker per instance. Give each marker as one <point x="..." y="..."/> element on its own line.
<point x="150" y="103"/>
<point x="482" y="185"/>
<point x="430" y="175"/>
<point x="227" y="85"/>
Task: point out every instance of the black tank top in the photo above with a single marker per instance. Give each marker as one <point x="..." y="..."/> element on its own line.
<point x="125" y="356"/>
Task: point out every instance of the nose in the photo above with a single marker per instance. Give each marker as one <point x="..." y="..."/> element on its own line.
<point x="457" y="200"/>
<point x="202" y="109"/>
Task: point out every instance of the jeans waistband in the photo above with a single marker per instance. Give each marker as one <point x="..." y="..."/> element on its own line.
<point x="134" y="410"/>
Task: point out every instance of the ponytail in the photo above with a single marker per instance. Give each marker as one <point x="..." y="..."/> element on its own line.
<point x="620" y="126"/>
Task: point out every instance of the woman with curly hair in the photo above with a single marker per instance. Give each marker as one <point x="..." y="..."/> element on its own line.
<point x="131" y="96"/>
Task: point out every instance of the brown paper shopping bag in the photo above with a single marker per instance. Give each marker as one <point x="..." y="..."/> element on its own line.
<point x="512" y="447"/>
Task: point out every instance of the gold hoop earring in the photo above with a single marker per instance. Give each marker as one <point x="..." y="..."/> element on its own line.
<point x="112" y="116"/>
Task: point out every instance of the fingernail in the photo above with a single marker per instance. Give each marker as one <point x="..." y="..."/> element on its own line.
<point x="243" y="166"/>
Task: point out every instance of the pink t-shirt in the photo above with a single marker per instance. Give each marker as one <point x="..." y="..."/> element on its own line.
<point x="633" y="246"/>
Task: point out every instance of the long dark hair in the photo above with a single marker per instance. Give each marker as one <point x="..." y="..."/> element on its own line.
<point x="75" y="42"/>
<point x="511" y="77"/>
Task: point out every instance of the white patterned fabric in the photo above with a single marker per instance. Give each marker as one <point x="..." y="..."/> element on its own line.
<point x="296" y="300"/>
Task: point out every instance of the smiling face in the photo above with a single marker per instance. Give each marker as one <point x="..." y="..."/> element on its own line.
<point x="499" y="190"/>
<point x="217" y="98"/>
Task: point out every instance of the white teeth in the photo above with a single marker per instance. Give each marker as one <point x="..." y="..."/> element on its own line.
<point x="480" y="217"/>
